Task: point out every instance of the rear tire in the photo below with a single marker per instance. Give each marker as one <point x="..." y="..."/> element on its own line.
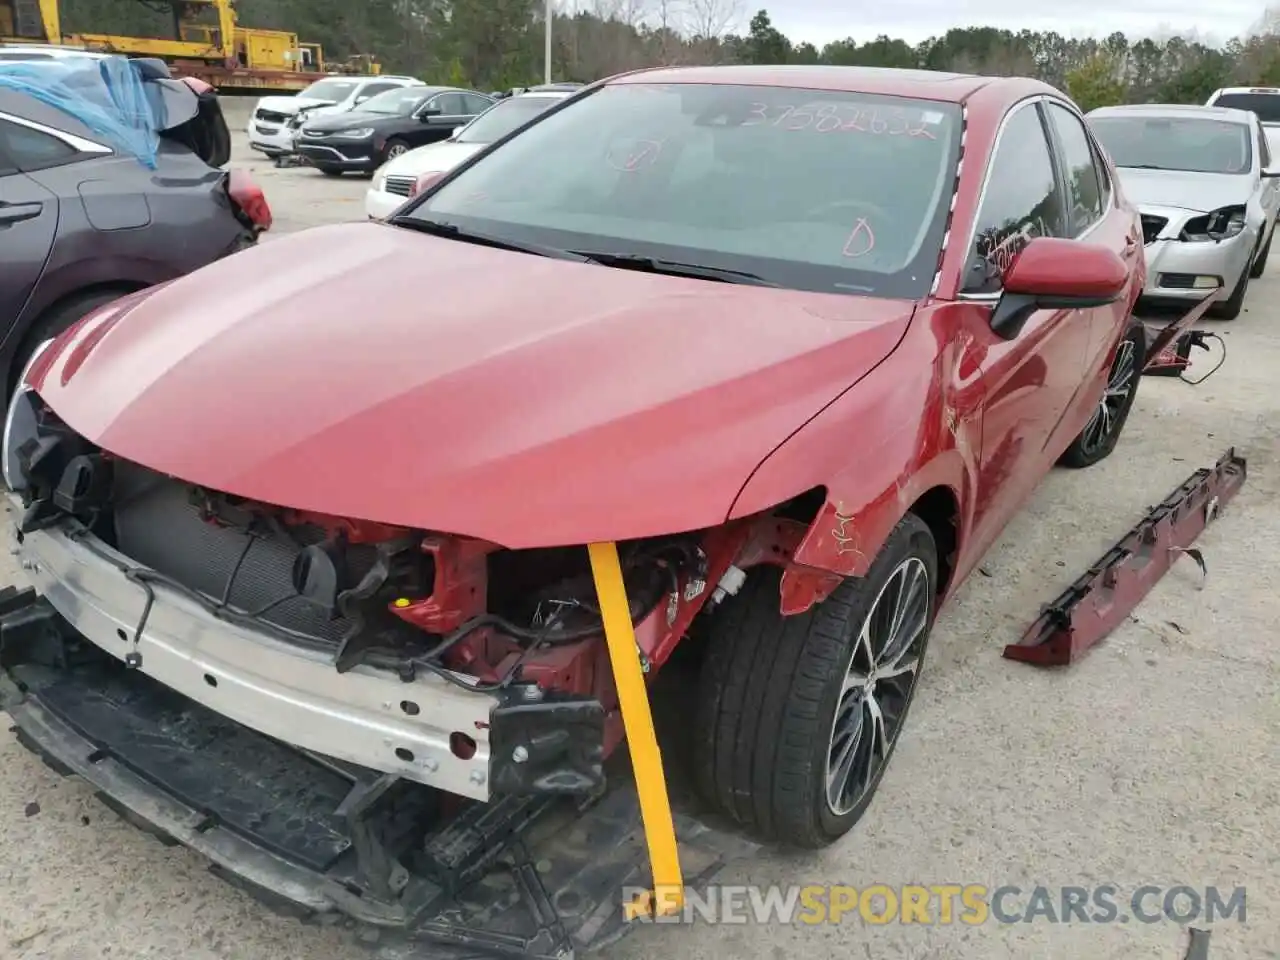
<point x="776" y="693"/>
<point x="1101" y="434"/>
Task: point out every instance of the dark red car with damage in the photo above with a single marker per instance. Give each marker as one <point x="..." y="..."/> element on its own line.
<point x="800" y="341"/>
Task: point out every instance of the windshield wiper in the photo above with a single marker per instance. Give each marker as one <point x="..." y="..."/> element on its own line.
<point x="635" y="261"/>
<point x="1139" y="166"/>
<point x="439" y="228"/>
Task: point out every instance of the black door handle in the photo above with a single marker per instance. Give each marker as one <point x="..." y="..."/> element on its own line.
<point x="17" y="212"/>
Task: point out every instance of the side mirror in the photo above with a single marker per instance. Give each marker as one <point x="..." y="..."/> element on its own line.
<point x="1270" y="173"/>
<point x="1055" y="274"/>
<point x="426" y="113"/>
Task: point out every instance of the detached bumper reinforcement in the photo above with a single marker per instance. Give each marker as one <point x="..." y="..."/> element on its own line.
<point x="421" y="871"/>
<point x="1100" y="600"/>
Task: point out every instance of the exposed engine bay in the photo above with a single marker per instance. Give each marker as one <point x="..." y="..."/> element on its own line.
<point x="430" y="714"/>
<point x="522" y="625"/>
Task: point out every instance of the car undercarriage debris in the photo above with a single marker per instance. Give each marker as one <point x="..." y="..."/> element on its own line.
<point x="1165" y="339"/>
<point x="1099" y="601"/>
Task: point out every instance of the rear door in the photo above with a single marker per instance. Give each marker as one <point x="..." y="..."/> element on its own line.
<point x="28" y="215"/>
<point x="1093" y="217"/>
<point x="1030" y="380"/>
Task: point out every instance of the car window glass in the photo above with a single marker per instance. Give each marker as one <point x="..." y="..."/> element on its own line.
<point x="1084" y="195"/>
<point x="817" y="190"/>
<point x="1264" y="149"/>
<point x="1265" y="105"/>
<point x="475" y="104"/>
<point x="29" y="149"/>
<point x="1021" y="201"/>
<point x="373" y="89"/>
<point x="452" y="105"/>
<point x="1104" y="174"/>
<point x="1192" y="144"/>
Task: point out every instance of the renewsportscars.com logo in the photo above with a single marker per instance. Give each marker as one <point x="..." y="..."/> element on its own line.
<point x="939" y="904"/>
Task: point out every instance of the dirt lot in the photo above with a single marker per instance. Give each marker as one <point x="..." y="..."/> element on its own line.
<point x="1153" y="761"/>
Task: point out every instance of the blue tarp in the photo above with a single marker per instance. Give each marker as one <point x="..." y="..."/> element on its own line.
<point x="107" y="94"/>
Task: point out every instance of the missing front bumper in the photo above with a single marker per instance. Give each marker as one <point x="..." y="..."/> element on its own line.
<point x="367" y="717"/>
<point x="422" y="729"/>
<point x="315" y="837"/>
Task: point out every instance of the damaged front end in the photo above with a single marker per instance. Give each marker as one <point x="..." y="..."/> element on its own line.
<point x="402" y="726"/>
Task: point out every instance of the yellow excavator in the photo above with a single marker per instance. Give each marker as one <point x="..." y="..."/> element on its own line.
<point x="206" y="42"/>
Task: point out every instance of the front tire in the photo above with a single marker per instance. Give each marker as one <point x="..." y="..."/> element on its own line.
<point x="1259" y="266"/>
<point x="1230" y="308"/>
<point x="395" y="148"/>
<point x="1101" y="434"/>
<point x="798" y="716"/>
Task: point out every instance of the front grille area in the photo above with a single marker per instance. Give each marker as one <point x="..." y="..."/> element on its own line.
<point x="271" y="116"/>
<point x="158" y="526"/>
<point x="1151" y="227"/>
<point x="1178" y="281"/>
<point x="400" y="186"/>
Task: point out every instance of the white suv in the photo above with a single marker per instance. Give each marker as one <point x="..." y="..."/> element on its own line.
<point x="270" y="130"/>
<point x="1264" y="101"/>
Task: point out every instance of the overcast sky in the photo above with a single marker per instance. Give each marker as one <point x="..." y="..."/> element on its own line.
<point x="821" y="21"/>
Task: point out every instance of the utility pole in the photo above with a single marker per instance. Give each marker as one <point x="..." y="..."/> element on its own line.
<point x="546" y="54"/>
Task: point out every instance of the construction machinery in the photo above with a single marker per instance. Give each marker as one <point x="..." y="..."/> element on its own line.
<point x="205" y="42"/>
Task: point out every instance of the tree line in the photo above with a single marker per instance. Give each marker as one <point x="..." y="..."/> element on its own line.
<point x="497" y="44"/>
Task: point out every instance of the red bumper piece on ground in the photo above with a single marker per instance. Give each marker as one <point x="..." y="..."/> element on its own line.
<point x="1100" y="600"/>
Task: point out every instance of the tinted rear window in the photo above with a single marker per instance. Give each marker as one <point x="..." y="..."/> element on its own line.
<point x="808" y="189"/>
<point x="1265" y="105"/>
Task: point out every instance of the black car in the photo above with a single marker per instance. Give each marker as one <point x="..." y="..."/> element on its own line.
<point x="386" y="126"/>
<point x="92" y="205"/>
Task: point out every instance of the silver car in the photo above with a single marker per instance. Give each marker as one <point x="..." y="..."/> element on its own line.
<point x="1202" y="179"/>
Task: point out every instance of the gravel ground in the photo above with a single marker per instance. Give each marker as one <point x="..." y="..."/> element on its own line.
<point x="1152" y="761"/>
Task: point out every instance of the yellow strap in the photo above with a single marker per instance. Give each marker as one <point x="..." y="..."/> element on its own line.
<point x="642" y="741"/>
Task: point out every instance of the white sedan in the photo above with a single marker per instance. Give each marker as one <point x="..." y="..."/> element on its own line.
<point x="399" y="179"/>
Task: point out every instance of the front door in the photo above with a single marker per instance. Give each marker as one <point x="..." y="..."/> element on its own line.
<point x="1093" y="218"/>
<point x="440" y="116"/>
<point x="1032" y="379"/>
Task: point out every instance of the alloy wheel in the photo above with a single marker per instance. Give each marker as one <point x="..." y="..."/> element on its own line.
<point x="877" y="685"/>
<point x="1110" y="410"/>
<point x="395" y="150"/>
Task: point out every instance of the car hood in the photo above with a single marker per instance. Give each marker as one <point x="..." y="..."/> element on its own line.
<point x="367" y="371"/>
<point x="433" y="158"/>
<point x="290" y="105"/>
<point x="1200" y="192"/>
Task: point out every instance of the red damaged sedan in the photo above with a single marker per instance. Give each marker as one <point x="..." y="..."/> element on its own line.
<point x="800" y="341"/>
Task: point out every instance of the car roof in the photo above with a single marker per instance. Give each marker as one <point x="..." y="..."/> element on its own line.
<point x="1271" y="91"/>
<point x="1175" y="110"/>
<point x="924" y="84"/>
